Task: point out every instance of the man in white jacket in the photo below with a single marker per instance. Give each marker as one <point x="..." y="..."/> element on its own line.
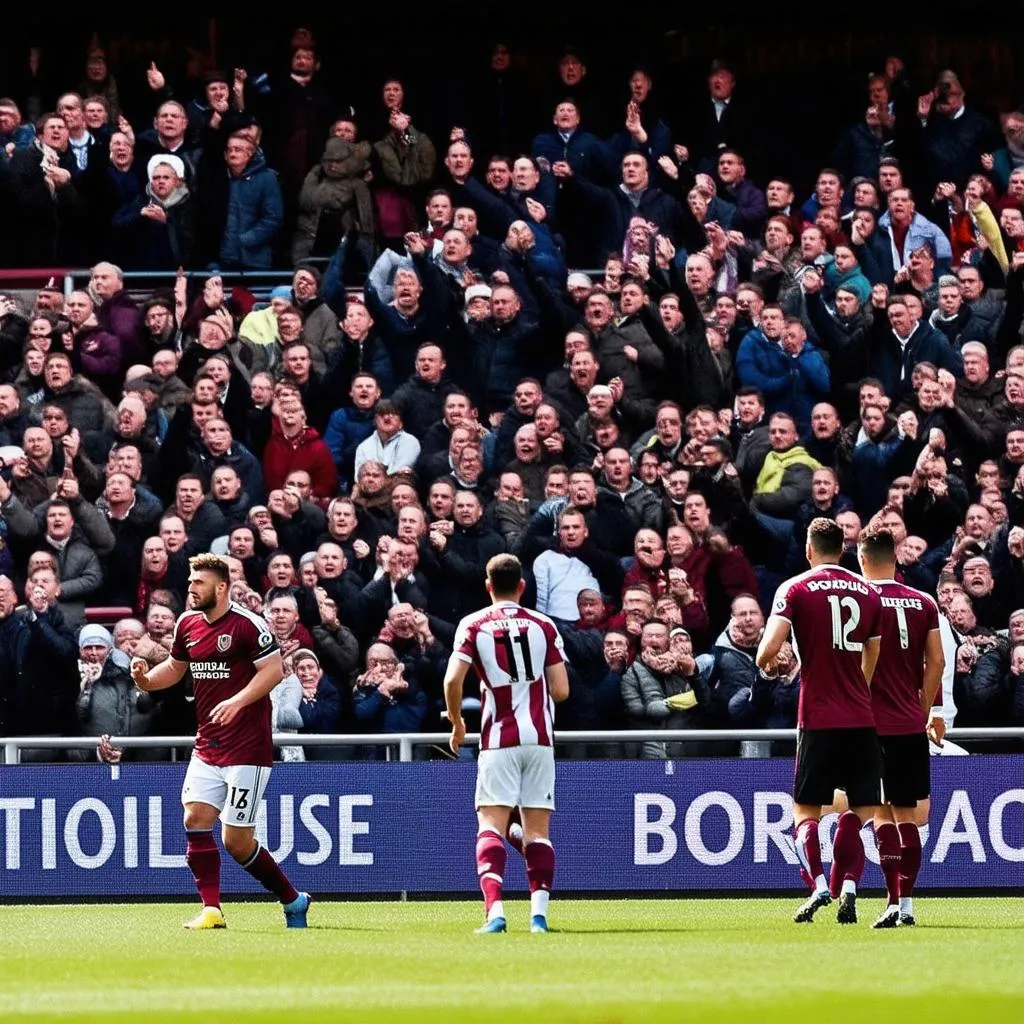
<point x="560" y="574"/>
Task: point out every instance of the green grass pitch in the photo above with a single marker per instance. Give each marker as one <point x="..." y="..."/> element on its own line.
<point x="607" y="961"/>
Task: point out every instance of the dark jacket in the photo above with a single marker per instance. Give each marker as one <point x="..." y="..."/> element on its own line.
<point x="614" y="209"/>
<point x="255" y="214"/>
<point x="585" y="153"/>
<point x="422" y="404"/>
<point x="457" y="574"/>
<point x="114" y="706"/>
<point x="38" y="674"/>
<point x="793" y="384"/>
<point x="120" y="315"/>
<point x="893" y="364"/>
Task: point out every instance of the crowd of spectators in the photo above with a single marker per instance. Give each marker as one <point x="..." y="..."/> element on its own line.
<point x="436" y="385"/>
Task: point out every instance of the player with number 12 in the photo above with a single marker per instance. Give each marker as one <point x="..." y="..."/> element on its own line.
<point x="835" y="618"/>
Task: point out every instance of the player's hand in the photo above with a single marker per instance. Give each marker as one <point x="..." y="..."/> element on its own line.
<point x="457" y="736"/>
<point x="225" y="712"/>
<point x="139" y="676"/>
<point x="936" y="729"/>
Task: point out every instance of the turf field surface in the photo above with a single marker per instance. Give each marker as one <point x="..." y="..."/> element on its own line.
<point x="607" y="960"/>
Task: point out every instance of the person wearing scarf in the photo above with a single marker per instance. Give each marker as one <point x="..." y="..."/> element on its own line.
<point x="164" y="217"/>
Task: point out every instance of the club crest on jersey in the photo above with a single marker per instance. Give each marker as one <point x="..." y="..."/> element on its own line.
<point x="223" y="642"/>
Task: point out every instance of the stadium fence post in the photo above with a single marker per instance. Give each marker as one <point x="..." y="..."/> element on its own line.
<point x="405" y="749"/>
<point x="12" y="753"/>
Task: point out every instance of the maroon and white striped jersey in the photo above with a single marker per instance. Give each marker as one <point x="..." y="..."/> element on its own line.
<point x="510" y="647"/>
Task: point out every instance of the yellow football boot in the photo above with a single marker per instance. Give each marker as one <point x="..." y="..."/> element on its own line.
<point x="209" y="917"/>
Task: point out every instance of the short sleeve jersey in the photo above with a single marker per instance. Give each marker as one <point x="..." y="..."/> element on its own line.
<point x="223" y="656"/>
<point x="908" y="616"/>
<point x="832" y="612"/>
<point x="510" y="647"/>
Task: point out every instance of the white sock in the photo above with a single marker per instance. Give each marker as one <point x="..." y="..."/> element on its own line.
<point x="907" y="905"/>
<point x="539" y="903"/>
<point x="820" y="885"/>
<point x="497" y="910"/>
<point x="849" y="887"/>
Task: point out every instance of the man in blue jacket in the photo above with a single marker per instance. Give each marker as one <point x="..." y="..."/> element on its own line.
<point x="778" y="360"/>
<point x="900" y="340"/>
<point x="255" y="208"/>
<point x="583" y="151"/>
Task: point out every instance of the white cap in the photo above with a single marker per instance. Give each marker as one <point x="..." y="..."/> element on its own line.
<point x="165" y="158"/>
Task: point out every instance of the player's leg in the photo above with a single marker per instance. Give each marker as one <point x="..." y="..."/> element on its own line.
<point x="492" y="824"/>
<point x="812" y="787"/>
<point x="907" y="822"/>
<point x="913" y="825"/>
<point x="497" y="794"/>
<point x="202" y="795"/>
<point x="860" y="758"/>
<point x="540" y="863"/>
<point x="538" y="803"/>
<point x="887" y="836"/>
<point x="246" y="785"/>
<point x="887" y="839"/>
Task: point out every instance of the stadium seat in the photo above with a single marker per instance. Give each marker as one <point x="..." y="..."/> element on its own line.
<point x="107" y="615"/>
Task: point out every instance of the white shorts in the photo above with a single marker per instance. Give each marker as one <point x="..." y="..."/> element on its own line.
<point x="236" y="790"/>
<point x="516" y="777"/>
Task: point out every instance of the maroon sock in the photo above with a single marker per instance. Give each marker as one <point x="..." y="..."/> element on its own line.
<point x="847" y="853"/>
<point x="516" y="842"/>
<point x="203" y="859"/>
<point x="268" y="873"/>
<point x="540" y="865"/>
<point x="910" y="860"/>
<point x="808" y="849"/>
<point x="890" y="857"/>
<point x="490" y="866"/>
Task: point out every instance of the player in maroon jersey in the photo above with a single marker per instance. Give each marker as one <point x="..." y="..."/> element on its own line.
<point x="235" y="662"/>
<point x="518" y="656"/>
<point x="835" y="618"/>
<point x="903" y="690"/>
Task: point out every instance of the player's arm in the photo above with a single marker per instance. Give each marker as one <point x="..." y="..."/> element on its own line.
<point x="934" y="666"/>
<point x="558" y="682"/>
<point x="776" y="633"/>
<point x="161" y="677"/>
<point x="454" y="677"/>
<point x="869" y="657"/>
<point x="269" y="673"/>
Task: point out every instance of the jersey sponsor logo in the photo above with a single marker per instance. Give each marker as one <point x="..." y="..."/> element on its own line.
<point x="265" y="640"/>
<point x="210" y="670"/>
<point x="223" y="642"/>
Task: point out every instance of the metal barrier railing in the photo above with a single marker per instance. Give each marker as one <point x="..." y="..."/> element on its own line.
<point x="406" y="742"/>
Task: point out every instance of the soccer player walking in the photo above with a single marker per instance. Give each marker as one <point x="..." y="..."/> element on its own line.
<point x="518" y="656"/>
<point x="835" y="618"/>
<point x="235" y="662"/>
<point x="903" y="691"/>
